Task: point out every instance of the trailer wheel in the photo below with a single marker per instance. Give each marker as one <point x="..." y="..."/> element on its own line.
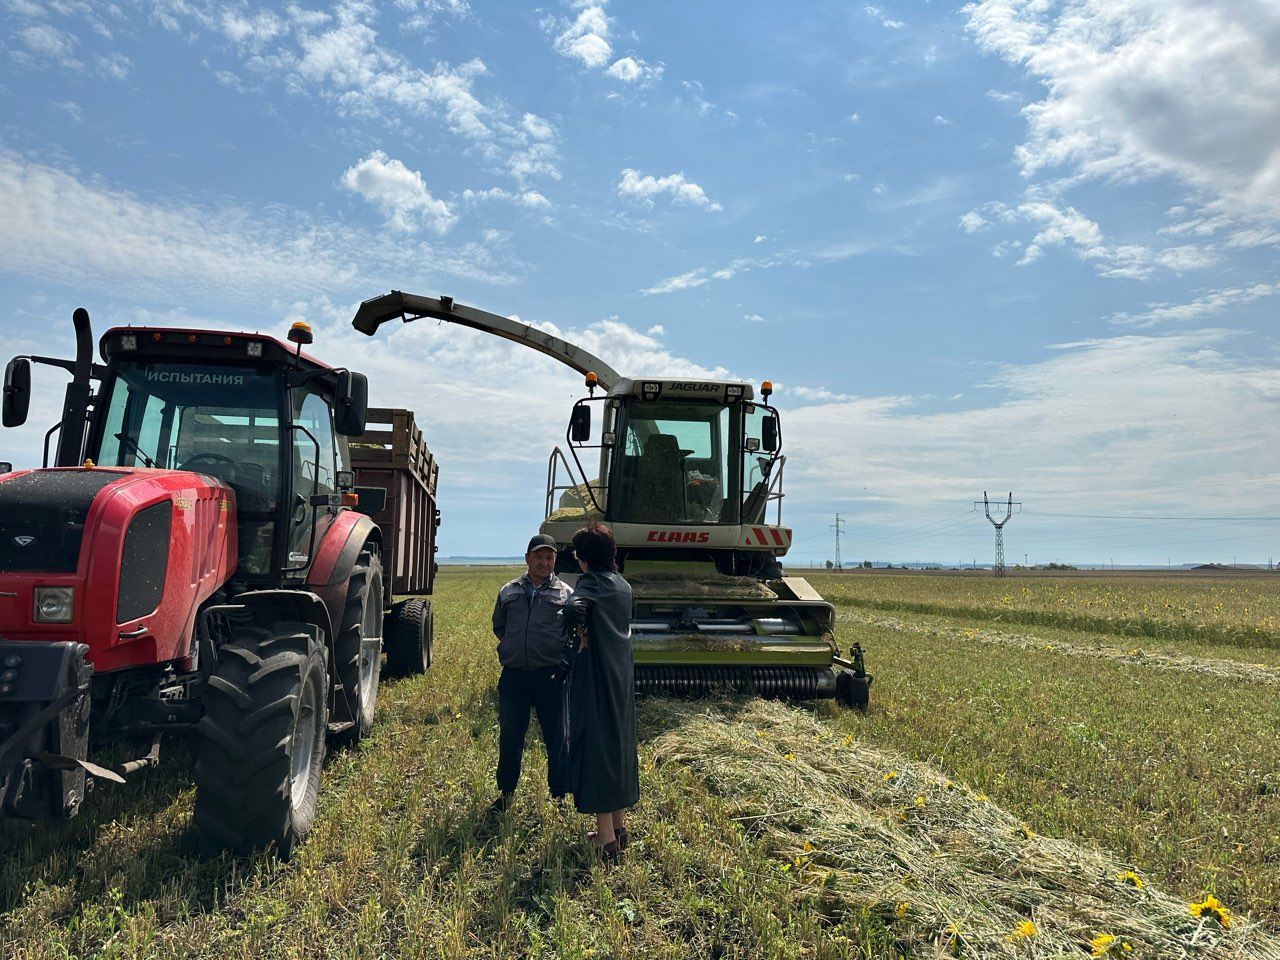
<point x="261" y="742"/>
<point x="359" y="669"/>
<point x="408" y="634"/>
<point x="853" y="691"/>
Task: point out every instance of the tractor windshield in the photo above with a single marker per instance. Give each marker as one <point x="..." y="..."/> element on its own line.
<point x="676" y="463"/>
<point x="218" y="419"/>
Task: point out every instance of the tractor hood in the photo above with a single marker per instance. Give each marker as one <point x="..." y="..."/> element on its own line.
<point x="42" y="514"/>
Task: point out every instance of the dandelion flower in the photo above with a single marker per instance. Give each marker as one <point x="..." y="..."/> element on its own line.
<point x="1131" y="878"/>
<point x="848" y="739"/>
<point x="1211" y="908"/>
<point x="891" y="775"/>
<point x="920" y="801"/>
<point x="983" y="797"/>
<point x="1049" y="647"/>
<point x="901" y="910"/>
<point x="788" y="756"/>
<point x="808" y="847"/>
<point x="760" y="734"/>
<point x="1101" y="944"/>
<point x="1023" y="931"/>
<point x="1026" y="831"/>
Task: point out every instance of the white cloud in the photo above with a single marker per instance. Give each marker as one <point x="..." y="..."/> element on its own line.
<point x="646" y="187"/>
<point x="972" y="222"/>
<point x="536" y="127"/>
<point x="1140" y="88"/>
<point x="252" y="31"/>
<point x="1206" y="305"/>
<point x="885" y="21"/>
<point x="114" y="66"/>
<point x="942" y="121"/>
<point x="760" y="238"/>
<point x="855" y="118"/>
<point x="206" y="254"/>
<point x="400" y="193"/>
<point x="701" y="276"/>
<point x="1004" y="96"/>
<point x="46" y="40"/>
<point x="1187" y="257"/>
<point x="531" y="199"/>
<point x="634" y="70"/>
<point x="1095" y="416"/>
<point x="753" y="318"/>
<point x="585" y="38"/>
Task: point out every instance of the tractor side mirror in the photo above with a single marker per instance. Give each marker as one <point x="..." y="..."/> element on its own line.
<point x="580" y="424"/>
<point x="6" y="466"/>
<point x="769" y="434"/>
<point x="17" y="391"/>
<point x="351" y="408"/>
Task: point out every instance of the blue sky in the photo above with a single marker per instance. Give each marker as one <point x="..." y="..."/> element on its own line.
<point x="1008" y="245"/>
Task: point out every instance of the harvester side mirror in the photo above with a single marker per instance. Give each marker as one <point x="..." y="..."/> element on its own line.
<point x="6" y="466"/>
<point x="769" y="434"/>
<point x="17" y="391"/>
<point x="351" y="408"/>
<point x="580" y="424"/>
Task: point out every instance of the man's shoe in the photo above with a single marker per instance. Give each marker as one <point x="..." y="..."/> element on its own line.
<point x="503" y="803"/>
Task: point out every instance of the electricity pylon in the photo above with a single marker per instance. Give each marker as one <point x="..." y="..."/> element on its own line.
<point x="838" y="527"/>
<point x="999" y="525"/>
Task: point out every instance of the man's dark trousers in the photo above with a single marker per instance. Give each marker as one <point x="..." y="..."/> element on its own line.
<point x="519" y="691"/>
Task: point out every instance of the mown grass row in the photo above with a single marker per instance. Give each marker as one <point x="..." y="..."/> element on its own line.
<point x="1178" y="774"/>
<point x="405" y="862"/>
<point x="1243" y="611"/>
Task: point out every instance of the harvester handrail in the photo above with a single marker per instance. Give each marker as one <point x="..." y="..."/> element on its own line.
<point x="775" y="488"/>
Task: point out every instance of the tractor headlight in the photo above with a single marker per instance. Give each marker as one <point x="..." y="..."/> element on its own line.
<point x="53" y="604"/>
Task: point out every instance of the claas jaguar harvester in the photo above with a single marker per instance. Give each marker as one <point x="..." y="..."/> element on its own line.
<point x="686" y="473"/>
<point x="197" y="559"/>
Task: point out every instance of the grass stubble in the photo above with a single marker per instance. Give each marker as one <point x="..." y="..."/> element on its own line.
<point x="793" y="843"/>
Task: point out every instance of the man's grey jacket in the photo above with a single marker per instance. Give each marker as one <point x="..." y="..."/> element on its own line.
<point x="528" y="627"/>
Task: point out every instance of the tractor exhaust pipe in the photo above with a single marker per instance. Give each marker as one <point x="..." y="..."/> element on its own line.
<point x="75" y="407"/>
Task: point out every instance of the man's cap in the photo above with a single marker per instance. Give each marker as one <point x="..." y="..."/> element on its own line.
<point x="540" y="541"/>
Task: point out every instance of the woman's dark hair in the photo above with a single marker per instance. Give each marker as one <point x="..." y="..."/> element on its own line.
<point x="595" y="546"/>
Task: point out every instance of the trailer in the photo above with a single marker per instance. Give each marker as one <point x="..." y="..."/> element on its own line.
<point x="392" y="456"/>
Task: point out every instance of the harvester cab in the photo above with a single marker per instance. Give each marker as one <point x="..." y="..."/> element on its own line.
<point x="688" y="475"/>
<point x="197" y="558"/>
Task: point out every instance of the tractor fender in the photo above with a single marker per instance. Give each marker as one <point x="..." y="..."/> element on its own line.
<point x="268" y="607"/>
<point x="341" y="547"/>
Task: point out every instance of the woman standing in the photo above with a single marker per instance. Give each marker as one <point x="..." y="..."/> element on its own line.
<point x="604" y="771"/>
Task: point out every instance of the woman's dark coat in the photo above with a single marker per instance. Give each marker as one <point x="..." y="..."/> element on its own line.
<point x="601" y="720"/>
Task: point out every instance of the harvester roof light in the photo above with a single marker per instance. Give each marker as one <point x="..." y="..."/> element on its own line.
<point x="227" y="341"/>
<point x="254" y="348"/>
<point x="300" y="332"/>
<point x="592" y="382"/>
<point x="766" y="389"/>
<point x="129" y="341"/>
<point x="650" y="390"/>
<point x="753" y="444"/>
<point x="192" y="338"/>
<point x="157" y="337"/>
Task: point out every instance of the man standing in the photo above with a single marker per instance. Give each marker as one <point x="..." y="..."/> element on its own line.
<point x="527" y="623"/>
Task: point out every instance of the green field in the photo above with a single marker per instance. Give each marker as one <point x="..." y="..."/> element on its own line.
<point x="1020" y="754"/>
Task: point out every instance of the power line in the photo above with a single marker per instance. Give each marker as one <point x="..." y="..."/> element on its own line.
<point x="838" y="527"/>
<point x="999" y="525"/>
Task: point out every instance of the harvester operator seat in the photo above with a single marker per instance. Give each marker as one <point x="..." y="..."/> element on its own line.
<point x="660" y="475"/>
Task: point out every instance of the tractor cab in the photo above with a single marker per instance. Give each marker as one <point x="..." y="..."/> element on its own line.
<point x="254" y="414"/>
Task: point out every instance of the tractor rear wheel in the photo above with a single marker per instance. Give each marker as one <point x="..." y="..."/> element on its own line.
<point x="261" y="742"/>
<point x="853" y="691"/>
<point x="409" y="631"/>
<point x="358" y="667"/>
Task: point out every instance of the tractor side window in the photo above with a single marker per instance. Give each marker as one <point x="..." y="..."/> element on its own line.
<point x="311" y="411"/>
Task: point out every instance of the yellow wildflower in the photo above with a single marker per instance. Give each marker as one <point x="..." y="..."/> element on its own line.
<point x="920" y="801"/>
<point x="1106" y="945"/>
<point x="1026" y="831"/>
<point x="788" y="756"/>
<point x="901" y="910"/>
<point x="891" y="775"/>
<point x="1049" y="647"/>
<point x="760" y="734"/>
<point x="848" y="739"/>
<point x="808" y="847"/>
<point x="1211" y="908"/>
<point x="1131" y="878"/>
<point x="983" y="797"/>
<point x="1023" y="931"/>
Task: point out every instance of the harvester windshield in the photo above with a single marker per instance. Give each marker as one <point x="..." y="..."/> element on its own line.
<point x="674" y="463"/>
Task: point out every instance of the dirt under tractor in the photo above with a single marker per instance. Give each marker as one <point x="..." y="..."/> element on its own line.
<point x="198" y="559"/>
<point x="686" y="474"/>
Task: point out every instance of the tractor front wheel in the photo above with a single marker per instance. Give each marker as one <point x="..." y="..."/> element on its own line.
<point x="408" y="632"/>
<point x="262" y="739"/>
<point x="357" y="663"/>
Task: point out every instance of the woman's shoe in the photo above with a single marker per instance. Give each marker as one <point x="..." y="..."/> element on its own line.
<point x="609" y="852"/>
<point x="623" y="838"/>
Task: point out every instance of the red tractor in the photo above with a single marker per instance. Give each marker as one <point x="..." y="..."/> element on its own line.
<point x="198" y="559"/>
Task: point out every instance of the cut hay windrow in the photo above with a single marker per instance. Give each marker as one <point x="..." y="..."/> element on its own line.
<point x="1205" y="666"/>
<point x="664" y="585"/>
<point x="956" y="875"/>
